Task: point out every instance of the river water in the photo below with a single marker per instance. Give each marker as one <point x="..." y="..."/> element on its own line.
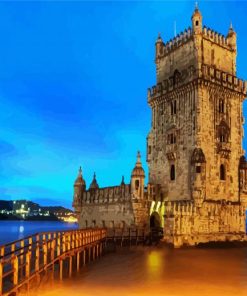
<point x="161" y="271"/>
<point x="14" y="230"/>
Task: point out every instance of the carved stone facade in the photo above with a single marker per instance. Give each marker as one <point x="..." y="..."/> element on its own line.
<point x="197" y="188"/>
<point x="197" y="171"/>
<point x="122" y="206"/>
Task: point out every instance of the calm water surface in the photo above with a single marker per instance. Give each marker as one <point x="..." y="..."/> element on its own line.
<point x="13" y="230"/>
<point x="161" y="271"/>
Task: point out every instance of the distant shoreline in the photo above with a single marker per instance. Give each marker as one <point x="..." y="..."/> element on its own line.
<point x="34" y="218"/>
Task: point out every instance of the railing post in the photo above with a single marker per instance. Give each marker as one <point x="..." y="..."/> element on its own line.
<point x="78" y="261"/>
<point x="37" y="254"/>
<point x="63" y="243"/>
<point x="45" y="254"/>
<point x="27" y="269"/>
<point x="60" y="269"/>
<point x="1" y="277"/>
<point x="22" y="255"/>
<point x="2" y="251"/>
<point x="30" y="242"/>
<point x="58" y="244"/>
<point x="84" y="257"/>
<point x="16" y="271"/>
<point x="70" y="266"/>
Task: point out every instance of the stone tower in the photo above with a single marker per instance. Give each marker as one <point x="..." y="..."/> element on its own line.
<point x="138" y="178"/>
<point x="79" y="188"/>
<point x="197" y="168"/>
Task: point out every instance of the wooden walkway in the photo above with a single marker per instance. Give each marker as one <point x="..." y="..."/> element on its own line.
<point x="26" y="261"/>
<point x="127" y="236"/>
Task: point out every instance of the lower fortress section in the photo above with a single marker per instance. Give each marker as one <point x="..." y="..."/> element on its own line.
<point x="113" y="207"/>
<point x="186" y="224"/>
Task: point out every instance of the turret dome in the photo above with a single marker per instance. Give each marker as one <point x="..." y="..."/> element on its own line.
<point x="138" y="170"/>
<point x="79" y="180"/>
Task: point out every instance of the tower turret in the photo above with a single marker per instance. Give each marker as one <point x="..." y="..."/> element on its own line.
<point x="159" y="47"/>
<point x="232" y="38"/>
<point x="197" y="21"/>
<point x="79" y="188"/>
<point x="137" y="178"/>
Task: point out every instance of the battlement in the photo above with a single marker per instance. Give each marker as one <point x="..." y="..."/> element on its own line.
<point x="207" y="72"/>
<point x="188" y="208"/>
<point x="216" y="37"/>
<point x="180" y="208"/>
<point x="223" y="78"/>
<point x="107" y="194"/>
<point x="174" y="43"/>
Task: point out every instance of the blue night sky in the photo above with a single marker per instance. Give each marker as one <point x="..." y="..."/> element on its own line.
<point x="73" y="86"/>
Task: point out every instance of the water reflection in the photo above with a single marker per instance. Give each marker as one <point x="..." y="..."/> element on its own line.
<point x="14" y="230"/>
<point x="154" y="262"/>
<point x="162" y="271"/>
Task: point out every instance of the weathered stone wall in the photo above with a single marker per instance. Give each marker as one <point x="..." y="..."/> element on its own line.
<point x="214" y="221"/>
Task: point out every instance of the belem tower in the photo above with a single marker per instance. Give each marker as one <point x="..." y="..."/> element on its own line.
<point x="197" y="181"/>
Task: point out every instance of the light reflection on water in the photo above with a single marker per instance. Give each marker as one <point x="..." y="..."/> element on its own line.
<point x="161" y="271"/>
<point x="14" y="230"/>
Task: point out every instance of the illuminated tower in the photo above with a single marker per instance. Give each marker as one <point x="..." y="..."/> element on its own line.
<point x="194" y="149"/>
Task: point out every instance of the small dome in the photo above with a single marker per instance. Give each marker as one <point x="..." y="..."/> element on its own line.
<point x="94" y="184"/>
<point x="231" y="31"/>
<point x="196" y="12"/>
<point x="79" y="180"/>
<point x="138" y="171"/>
<point x="159" y="39"/>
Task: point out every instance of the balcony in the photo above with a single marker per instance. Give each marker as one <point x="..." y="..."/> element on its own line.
<point x="224" y="149"/>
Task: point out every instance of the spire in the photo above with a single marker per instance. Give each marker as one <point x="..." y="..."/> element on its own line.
<point x="80" y="172"/>
<point x="138" y="161"/>
<point x="196" y="20"/>
<point x="159" y="39"/>
<point x="122" y="182"/>
<point x="138" y="170"/>
<point x="231" y="30"/>
<point x="79" y="180"/>
<point x="94" y="184"/>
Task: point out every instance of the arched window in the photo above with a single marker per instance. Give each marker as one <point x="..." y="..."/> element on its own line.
<point x="172" y="172"/>
<point x="222" y="172"/>
<point x="175" y="107"/>
<point x="136" y="184"/>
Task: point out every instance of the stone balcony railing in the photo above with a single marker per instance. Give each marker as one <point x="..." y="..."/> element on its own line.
<point x="224" y="147"/>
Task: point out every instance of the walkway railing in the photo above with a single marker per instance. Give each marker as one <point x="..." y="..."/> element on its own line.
<point x="25" y="260"/>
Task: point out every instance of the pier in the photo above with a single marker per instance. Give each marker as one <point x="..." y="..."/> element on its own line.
<point x="26" y="262"/>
